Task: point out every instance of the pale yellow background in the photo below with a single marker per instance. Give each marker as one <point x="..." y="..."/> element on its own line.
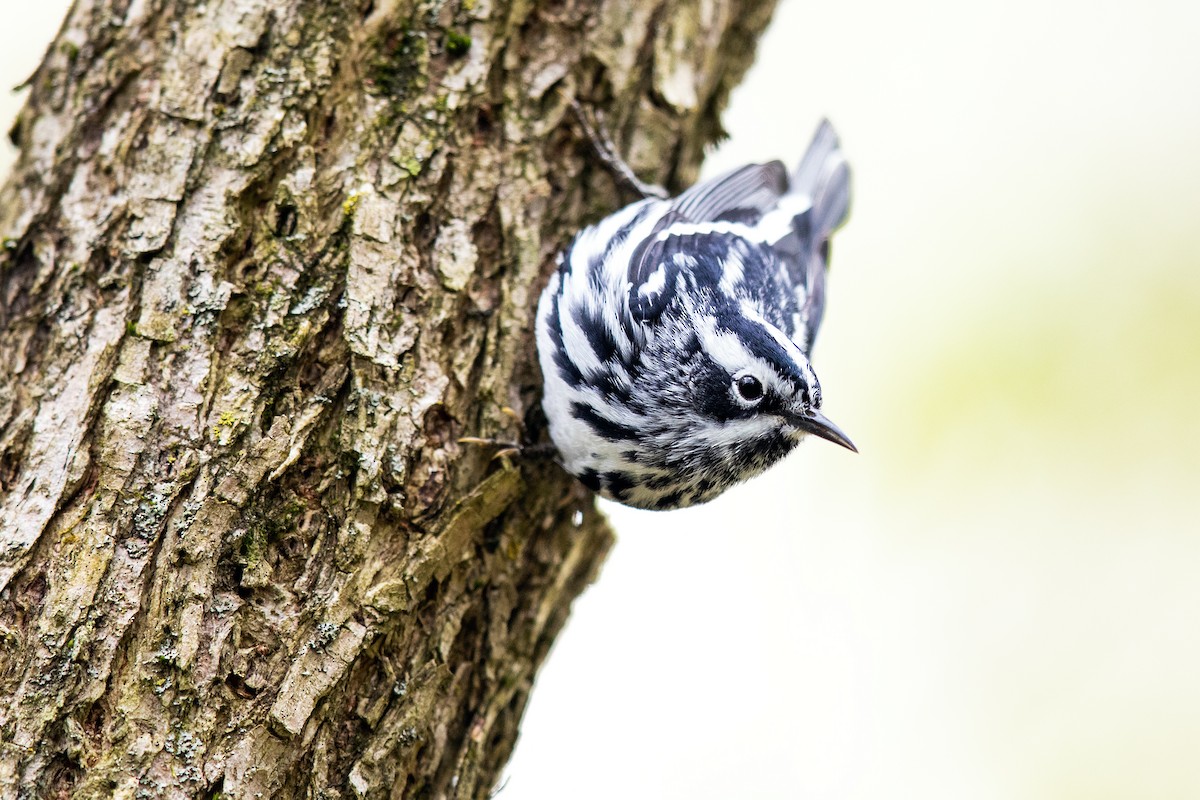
<point x="1000" y="596"/>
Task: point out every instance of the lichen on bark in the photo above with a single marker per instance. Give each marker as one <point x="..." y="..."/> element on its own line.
<point x="264" y="263"/>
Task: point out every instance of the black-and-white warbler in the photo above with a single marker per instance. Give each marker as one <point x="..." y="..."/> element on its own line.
<point x="674" y="337"/>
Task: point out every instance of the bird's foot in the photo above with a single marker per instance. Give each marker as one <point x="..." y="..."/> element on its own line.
<point x="505" y="448"/>
<point x="606" y="151"/>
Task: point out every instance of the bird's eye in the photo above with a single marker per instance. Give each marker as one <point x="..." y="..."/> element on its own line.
<point x="749" y="388"/>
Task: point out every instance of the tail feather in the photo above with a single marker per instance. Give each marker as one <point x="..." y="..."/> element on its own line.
<point x="824" y="177"/>
<point x="822" y="183"/>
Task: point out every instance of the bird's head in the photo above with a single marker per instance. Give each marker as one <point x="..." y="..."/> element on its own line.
<point x="743" y="381"/>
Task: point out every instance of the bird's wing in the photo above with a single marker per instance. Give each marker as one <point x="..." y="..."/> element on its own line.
<point x="747" y="191"/>
<point x="742" y="195"/>
<point x="653" y="267"/>
<point x="794" y="214"/>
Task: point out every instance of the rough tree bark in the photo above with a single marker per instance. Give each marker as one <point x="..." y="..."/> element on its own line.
<point x="264" y="261"/>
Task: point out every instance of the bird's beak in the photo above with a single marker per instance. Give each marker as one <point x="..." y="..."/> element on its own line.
<point x="818" y="424"/>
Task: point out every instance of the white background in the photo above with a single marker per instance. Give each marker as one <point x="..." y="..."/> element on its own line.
<point x="1000" y="596"/>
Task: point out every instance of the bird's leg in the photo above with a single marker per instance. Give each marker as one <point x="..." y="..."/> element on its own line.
<point x="517" y="448"/>
<point x="606" y="151"/>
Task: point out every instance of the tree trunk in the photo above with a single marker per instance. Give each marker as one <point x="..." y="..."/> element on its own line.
<point x="264" y="262"/>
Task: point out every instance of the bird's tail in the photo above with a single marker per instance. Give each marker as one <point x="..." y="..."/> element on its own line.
<point x="824" y="177"/>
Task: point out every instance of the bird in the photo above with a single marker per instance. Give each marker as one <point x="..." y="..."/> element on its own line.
<point x="675" y="335"/>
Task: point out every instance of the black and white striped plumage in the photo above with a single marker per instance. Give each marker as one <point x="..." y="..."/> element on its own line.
<point x="674" y="336"/>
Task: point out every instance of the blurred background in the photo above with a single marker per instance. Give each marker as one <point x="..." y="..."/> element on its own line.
<point x="1000" y="596"/>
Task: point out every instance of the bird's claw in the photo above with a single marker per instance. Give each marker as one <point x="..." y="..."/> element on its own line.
<point x="505" y="448"/>
<point x="607" y="152"/>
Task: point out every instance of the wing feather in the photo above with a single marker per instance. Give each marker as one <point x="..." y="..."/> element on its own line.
<point x="754" y="187"/>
